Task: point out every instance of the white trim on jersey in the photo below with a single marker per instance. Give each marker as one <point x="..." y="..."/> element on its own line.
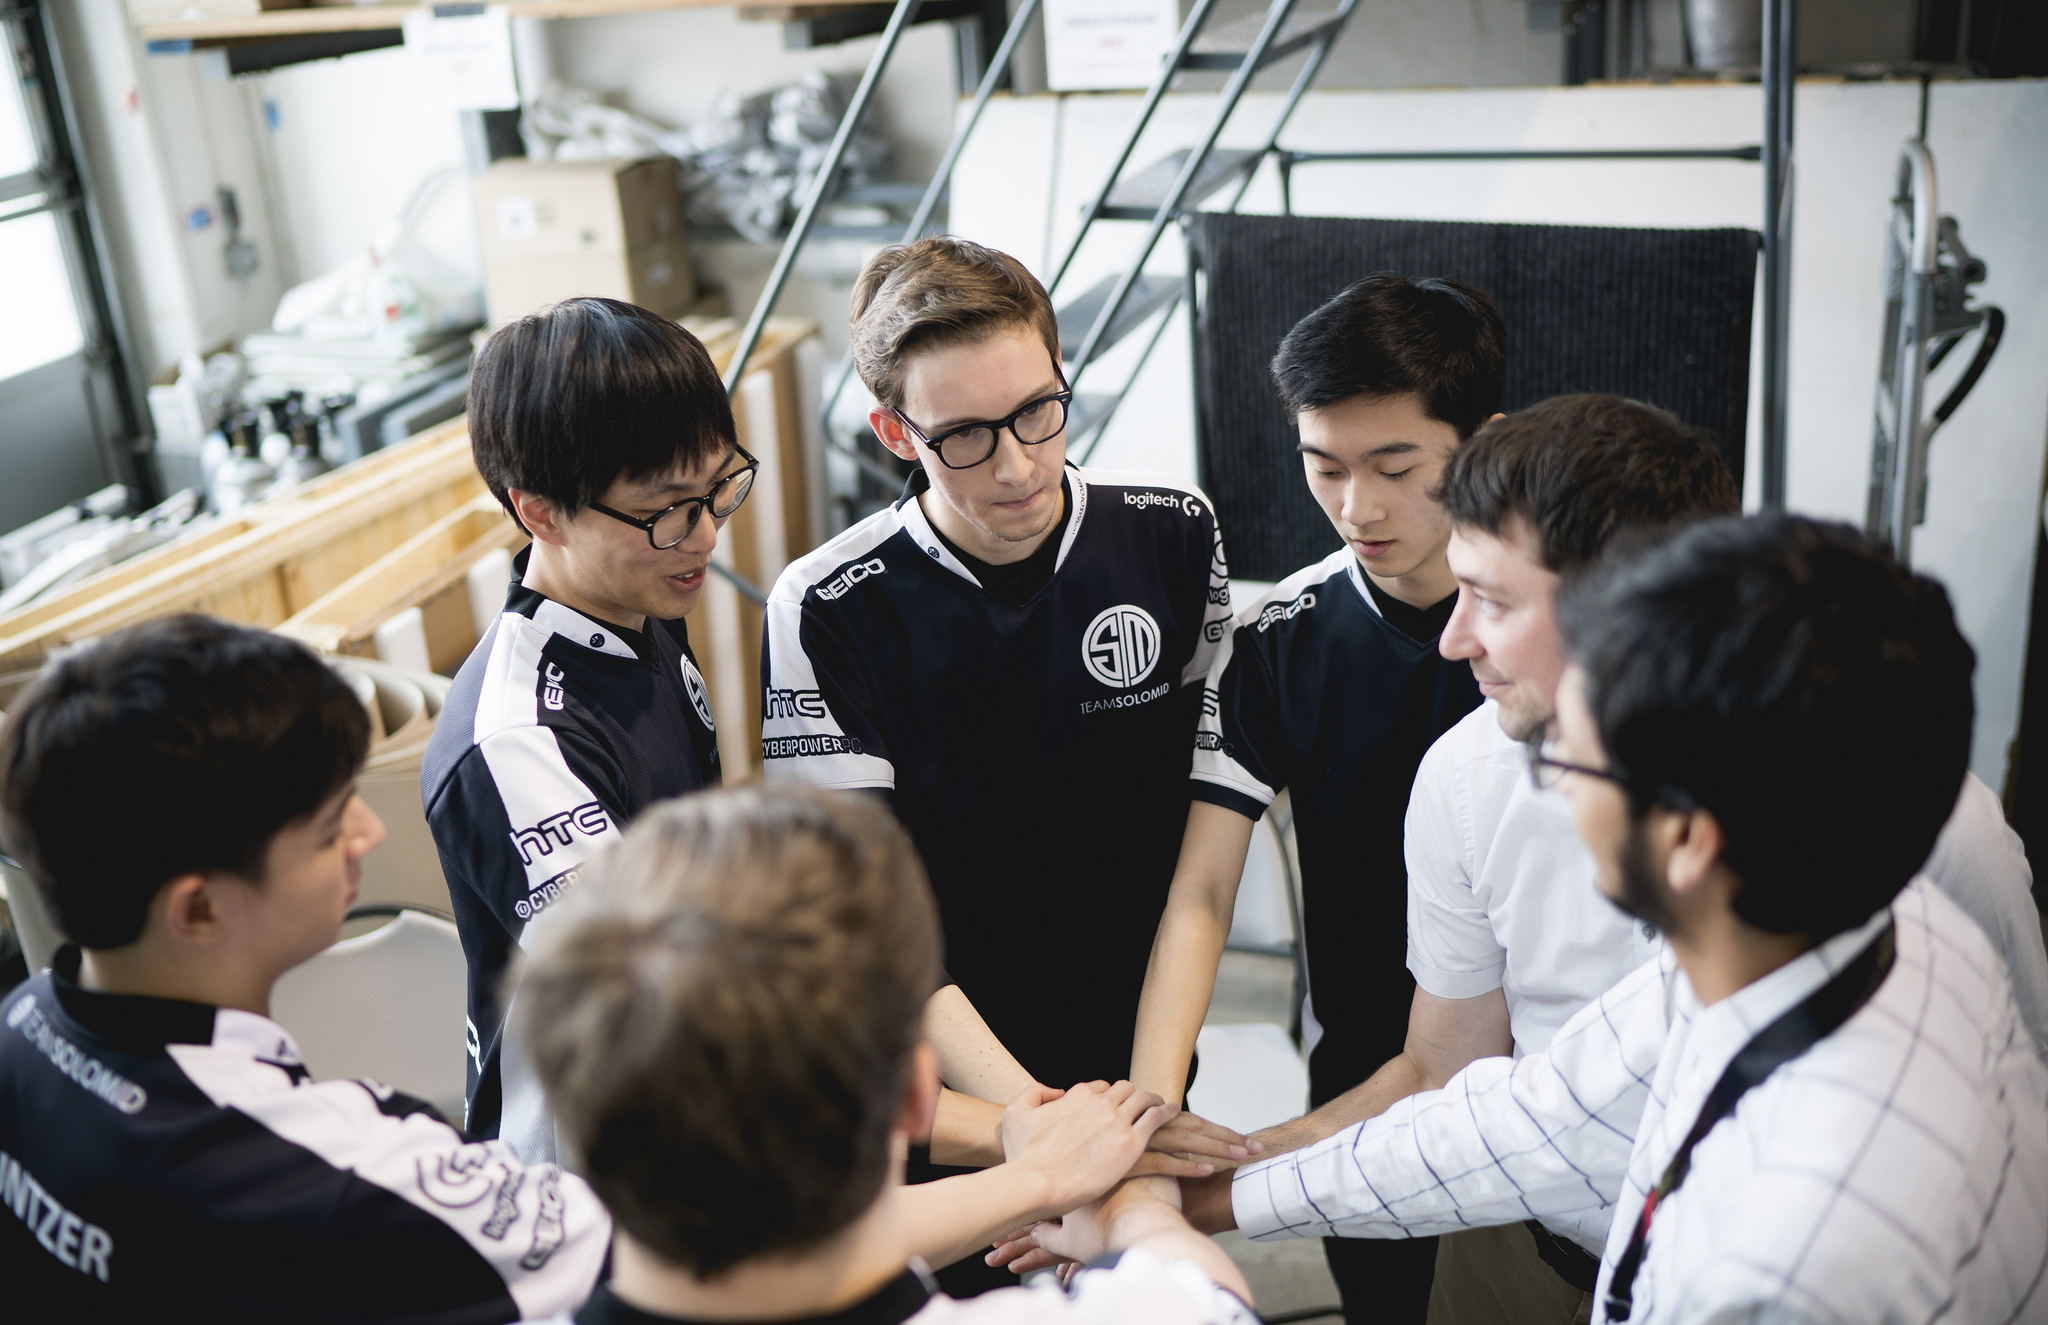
<point x="542" y="1230"/>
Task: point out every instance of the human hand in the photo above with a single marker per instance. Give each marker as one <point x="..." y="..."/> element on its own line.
<point x="1206" y="1203"/>
<point x="1079" y="1236"/>
<point x="1080" y="1142"/>
<point x="1190" y="1146"/>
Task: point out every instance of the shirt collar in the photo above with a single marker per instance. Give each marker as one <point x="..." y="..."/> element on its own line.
<point x="911" y="512"/>
<point x="1358" y="581"/>
<point x="585" y="632"/>
<point x="141" y="1024"/>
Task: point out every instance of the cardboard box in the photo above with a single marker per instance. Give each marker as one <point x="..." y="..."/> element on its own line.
<point x="535" y="209"/>
<point x="656" y="276"/>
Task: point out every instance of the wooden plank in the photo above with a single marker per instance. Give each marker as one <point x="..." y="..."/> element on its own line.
<point x="222" y="575"/>
<point x="417" y="571"/>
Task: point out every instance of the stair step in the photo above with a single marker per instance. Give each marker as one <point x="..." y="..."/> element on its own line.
<point x="1226" y="47"/>
<point x="1138" y="197"/>
<point x="1147" y="296"/>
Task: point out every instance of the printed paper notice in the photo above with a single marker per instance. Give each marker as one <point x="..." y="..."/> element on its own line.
<point x="467" y="56"/>
<point x="1093" y="45"/>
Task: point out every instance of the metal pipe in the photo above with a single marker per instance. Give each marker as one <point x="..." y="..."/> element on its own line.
<point x="747" y="588"/>
<point x="1303" y="78"/>
<point x="1233" y="91"/>
<point x="1911" y="431"/>
<point x="1778" y="65"/>
<point x="1746" y="153"/>
<point x="1117" y="402"/>
<point x="821" y="185"/>
<point x="1168" y="68"/>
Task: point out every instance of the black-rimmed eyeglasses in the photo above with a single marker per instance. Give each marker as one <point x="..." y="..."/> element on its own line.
<point x="1548" y="771"/>
<point x="672" y="524"/>
<point x="969" y="444"/>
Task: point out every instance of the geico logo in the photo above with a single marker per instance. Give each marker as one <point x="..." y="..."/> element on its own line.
<point x="1286" y="611"/>
<point x="851" y="576"/>
<point x="795" y="704"/>
<point x="551" y="686"/>
<point x="1121" y="645"/>
<point x="545" y="894"/>
<point x="1214" y="630"/>
<point x="556" y="830"/>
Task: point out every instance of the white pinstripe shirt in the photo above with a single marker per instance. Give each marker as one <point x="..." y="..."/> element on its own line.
<point x="1897" y="1171"/>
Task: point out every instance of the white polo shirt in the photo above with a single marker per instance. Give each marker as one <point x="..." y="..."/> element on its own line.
<point x="1502" y="893"/>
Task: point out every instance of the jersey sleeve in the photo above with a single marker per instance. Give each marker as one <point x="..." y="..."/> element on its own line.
<point x="1502" y="1142"/>
<point x="1239" y="756"/>
<point x="1452" y="949"/>
<point x="519" y="818"/>
<point x="1215" y="613"/>
<point x="417" y="1213"/>
<point x="819" y="720"/>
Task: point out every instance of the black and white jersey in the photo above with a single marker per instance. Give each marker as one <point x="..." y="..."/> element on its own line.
<point x="1037" y="752"/>
<point x="558" y="730"/>
<point x="162" y="1160"/>
<point x="1316" y="691"/>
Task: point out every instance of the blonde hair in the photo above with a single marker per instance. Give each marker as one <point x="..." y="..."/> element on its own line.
<point x="724" y="1017"/>
<point x="937" y="292"/>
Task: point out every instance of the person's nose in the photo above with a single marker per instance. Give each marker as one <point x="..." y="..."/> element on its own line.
<point x="366" y="830"/>
<point x="1362" y="506"/>
<point x="1459" y="640"/>
<point x="1012" y="462"/>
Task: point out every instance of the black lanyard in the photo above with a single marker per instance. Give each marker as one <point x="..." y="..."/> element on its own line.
<point x="1819" y="1015"/>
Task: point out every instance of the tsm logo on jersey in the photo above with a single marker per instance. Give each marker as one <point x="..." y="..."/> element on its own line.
<point x="551" y="688"/>
<point x="1121" y="646"/>
<point x="700" y="698"/>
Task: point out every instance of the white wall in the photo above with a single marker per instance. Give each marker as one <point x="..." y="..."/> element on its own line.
<point x="1986" y="465"/>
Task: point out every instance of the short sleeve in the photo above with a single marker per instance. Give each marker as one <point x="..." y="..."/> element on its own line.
<point x="819" y="722"/>
<point x="1452" y="949"/>
<point x="1240" y="759"/>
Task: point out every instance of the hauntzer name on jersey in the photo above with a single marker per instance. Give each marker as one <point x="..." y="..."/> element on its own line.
<point x="839" y="584"/>
<point x="85" y="1247"/>
<point x="1174" y="501"/>
<point x="1285" y="611"/>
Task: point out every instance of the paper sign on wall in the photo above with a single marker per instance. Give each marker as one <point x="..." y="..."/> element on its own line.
<point x="468" y="56"/>
<point x="1094" y="45"/>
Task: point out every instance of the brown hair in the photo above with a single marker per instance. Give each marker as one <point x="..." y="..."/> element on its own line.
<point x="1583" y="471"/>
<point x="725" y="1017"/>
<point x="937" y="292"/>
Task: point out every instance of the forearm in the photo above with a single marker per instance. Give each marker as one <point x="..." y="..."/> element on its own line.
<point x="953" y="1217"/>
<point x="967" y="1131"/>
<point x="1157" y="1226"/>
<point x="1400" y="1077"/>
<point x="971" y="1059"/>
<point x="1178" y="985"/>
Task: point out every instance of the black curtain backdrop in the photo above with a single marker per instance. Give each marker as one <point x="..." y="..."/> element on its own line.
<point x="1658" y="315"/>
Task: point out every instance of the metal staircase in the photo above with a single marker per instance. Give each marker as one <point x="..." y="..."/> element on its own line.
<point x="1118" y="306"/>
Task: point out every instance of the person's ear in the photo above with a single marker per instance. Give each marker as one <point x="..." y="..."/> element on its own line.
<point x="919" y="1107"/>
<point x="189" y="909"/>
<point x="542" y="520"/>
<point x="1693" y="842"/>
<point x="890" y="430"/>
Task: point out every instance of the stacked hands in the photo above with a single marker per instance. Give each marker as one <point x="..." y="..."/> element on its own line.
<point x="1112" y="1160"/>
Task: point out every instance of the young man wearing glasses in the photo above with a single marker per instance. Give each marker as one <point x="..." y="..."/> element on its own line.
<point x="1012" y="655"/>
<point x="605" y="431"/>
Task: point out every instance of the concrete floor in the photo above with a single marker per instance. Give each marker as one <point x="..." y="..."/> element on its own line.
<point x="1289" y="1275"/>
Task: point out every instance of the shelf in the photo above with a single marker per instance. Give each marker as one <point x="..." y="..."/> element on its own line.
<point x="329" y="19"/>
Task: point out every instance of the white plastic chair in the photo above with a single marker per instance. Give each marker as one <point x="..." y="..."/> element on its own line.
<point x="388" y="1005"/>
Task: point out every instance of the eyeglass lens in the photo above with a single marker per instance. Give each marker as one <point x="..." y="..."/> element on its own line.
<point x="1037" y="422"/>
<point x="674" y="526"/>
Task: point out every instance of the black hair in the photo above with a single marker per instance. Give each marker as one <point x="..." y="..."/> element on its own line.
<point x="564" y="402"/>
<point x="1583" y="470"/>
<point x="181" y="745"/>
<point x="1790" y="677"/>
<point x="1442" y="341"/>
